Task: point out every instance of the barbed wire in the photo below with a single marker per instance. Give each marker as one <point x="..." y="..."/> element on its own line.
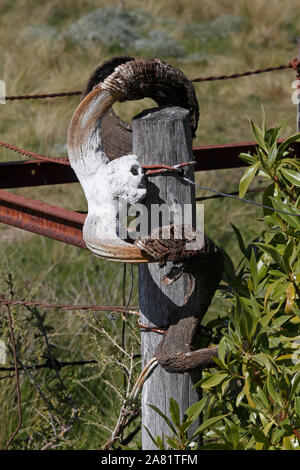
<point x="162" y="168"/>
<point x="293" y="64"/>
<point x="49" y="364"/>
<point x="92" y="308"/>
<point x="232" y="196"/>
<point x="42" y="95"/>
<point x="150" y="169"/>
<point x="233" y="193"/>
<point x="27" y="153"/>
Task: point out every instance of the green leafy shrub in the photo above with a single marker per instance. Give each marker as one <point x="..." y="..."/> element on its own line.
<point x="251" y="398"/>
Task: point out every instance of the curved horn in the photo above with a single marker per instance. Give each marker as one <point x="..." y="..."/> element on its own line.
<point x="106" y="178"/>
<point x="100" y="177"/>
<point x="158" y="80"/>
<point x="116" y="135"/>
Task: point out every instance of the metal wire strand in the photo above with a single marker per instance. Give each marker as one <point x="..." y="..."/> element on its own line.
<point x="27" y="153"/>
<point x="92" y="308"/>
<point x="238" y="198"/>
<point x="293" y="64"/>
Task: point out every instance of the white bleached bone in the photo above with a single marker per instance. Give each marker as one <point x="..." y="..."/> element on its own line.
<point x="104" y="182"/>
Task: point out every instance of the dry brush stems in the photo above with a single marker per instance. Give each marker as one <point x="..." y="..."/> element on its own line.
<point x="13" y="344"/>
<point x="127" y="413"/>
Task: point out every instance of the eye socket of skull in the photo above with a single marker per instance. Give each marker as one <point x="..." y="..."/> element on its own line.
<point x="135" y="170"/>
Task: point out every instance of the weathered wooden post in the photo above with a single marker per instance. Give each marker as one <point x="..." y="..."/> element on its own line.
<point x="177" y="296"/>
<point x="163" y="136"/>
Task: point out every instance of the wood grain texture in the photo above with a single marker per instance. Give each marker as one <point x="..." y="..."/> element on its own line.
<point x="163" y="136"/>
<point x="298" y="95"/>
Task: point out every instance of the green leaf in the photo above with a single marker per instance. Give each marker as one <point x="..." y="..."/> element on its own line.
<point x="173" y="444"/>
<point x="283" y="125"/>
<point x="275" y="289"/>
<point x="290" y="298"/>
<point x="222" y="349"/>
<point x="232" y="433"/>
<point x="253" y="270"/>
<point x="246" y="388"/>
<point x="258" y="135"/>
<point x="167" y="420"/>
<point x="292" y="176"/>
<point x="290" y="161"/>
<point x="214" y="446"/>
<point x="297" y="406"/>
<point x="158" y="442"/>
<point x="229" y="270"/>
<point x="293" y="220"/>
<point x="278" y="434"/>
<point x="268" y="427"/>
<point x="207" y="424"/>
<point x="281" y="321"/>
<point x="264" y="174"/>
<point x="272" y="154"/>
<point x="246" y="157"/>
<point x="184" y="426"/>
<point x="246" y="316"/>
<point x="266" y="361"/>
<point x="268" y="192"/>
<point x="239" y="239"/>
<point x="219" y="363"/>
<point x="247" y="178"/>
<point x="279" y="260"/>
<point x="262" y="397"/>
<point x="212" y="380"/>
<point x="288" y="443"/>
<point x="247" y="325"/>
<point x="195" y="410"/>
<point x="239" y="398"/>
<point x="255" y="307"/>
<point x="271" y="136"/>
<point x="272" y="390"/>
<point x="174" y="411"/>
<point x="286" y="143"/>
<point x="225" y="385"/>
<point x="262" y="270"/>
<point x="290" y="252"/>
<point x="259" y="435"/>
<point x="254" y="410"/>
<point x="295" y="384"/>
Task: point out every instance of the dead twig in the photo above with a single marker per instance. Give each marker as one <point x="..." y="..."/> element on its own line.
<point x="13" y="344"/>
<point x="59" y="436"/>
<point x="127" y="413"/>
